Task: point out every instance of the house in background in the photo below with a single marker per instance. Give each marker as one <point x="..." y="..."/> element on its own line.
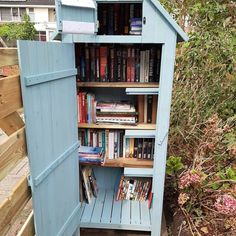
<point x="41" y="12"/>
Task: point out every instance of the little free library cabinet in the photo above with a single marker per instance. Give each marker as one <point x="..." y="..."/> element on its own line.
<point x="108" y="85"/>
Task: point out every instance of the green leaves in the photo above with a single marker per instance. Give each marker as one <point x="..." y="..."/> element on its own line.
<point x="173" y="165"/>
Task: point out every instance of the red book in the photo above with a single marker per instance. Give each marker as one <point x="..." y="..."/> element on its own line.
<point x="103" y="63"/>
<point x="78" y="108"/>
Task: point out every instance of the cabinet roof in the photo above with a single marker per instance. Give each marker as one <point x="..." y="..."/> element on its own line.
<point x="182" y="36"/>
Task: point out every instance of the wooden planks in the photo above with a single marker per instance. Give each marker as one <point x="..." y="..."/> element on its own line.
<point x="8" y="56"/>
<point x="105" y="212"/>
<point x="28" y="227"/>
<point x="117" y="85"/>
<point x="128" y="162"/>
<point x="12" y="151"/>
<point x="11" y="206"/>
<point x="141" y="126"/>
<point x="10" y="95"/>
<point x="11" y="123"/>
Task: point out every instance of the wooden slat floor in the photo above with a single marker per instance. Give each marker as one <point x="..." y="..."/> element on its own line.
<point x="107" y="213"/>
<point x="100" y="232"/>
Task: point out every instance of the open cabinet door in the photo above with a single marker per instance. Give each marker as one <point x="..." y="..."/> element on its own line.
<point x="76" y="16"/>
<point x="48" y="86"/>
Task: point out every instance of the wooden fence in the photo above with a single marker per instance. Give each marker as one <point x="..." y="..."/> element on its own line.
<point x="12" y="148"/>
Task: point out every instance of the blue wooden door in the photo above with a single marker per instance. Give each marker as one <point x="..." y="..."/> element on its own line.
<point x="76" y="16"/>
<point x="49" y="96"/>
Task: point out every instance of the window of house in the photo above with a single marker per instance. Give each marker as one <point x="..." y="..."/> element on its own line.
<point x="15" y="14"/>
<point x="31" y="14"/>
<point x="22" y="12"/>
<point x="5" y="14"/>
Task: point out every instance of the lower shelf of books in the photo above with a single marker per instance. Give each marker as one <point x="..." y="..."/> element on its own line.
<point x="106" y="212"/>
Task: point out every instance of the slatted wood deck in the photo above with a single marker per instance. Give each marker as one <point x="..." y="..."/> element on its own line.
<point x="105" y="212"/>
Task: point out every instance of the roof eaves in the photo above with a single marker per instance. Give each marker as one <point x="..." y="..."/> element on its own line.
<point x="182" y="36"/>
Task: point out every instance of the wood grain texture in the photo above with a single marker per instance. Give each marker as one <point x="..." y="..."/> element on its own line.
<point x="28" y="227"/>
<point x="10" y="95"/>
<point x="117" y="85"/>
<point x="10" y="208"/>
<point x="11" y="123"/>
<point x="140" y="126"/>
<point x="8" y="56"/>
<point x="12" y="151"/>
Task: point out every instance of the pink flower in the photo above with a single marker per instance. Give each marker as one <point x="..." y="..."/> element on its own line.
<point x="226" y="205"/>
<point x="189" y="178"/>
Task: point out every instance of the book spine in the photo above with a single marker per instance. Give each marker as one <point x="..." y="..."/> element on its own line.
<point x="132" y="69"/>
<point x="149" y="108"/>
<point x="97" y="56"/>
<point x="115" y="144"/>
<point x="136" y="148"/>
<point x="116" y="18"/>
<point x="82" y="65"/>
<point x="103" y="64"/>
<point x="126" y="19"/>
<point x="141" y="66"/>
<point x="137" y="65"/>
<point x="87" y="64"/>
<point x="140" y="145"/>
<point x="124" y="64"/>
<point x="121" y="144"/>
<point x="112" y="65"/>
<point x="107" y="143"/>
<point x="158" y="65"/>
<point x="119" y="64"/>
<point x="92" y="64"/>
<point x="146" y="66"/>
<point x="128" y="72"/>
<point x="110" y="23"/>
<point x="151" y="64"/>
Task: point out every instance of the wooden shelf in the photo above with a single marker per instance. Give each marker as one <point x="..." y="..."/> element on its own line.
<point x="128" y="162"/>
<point x="117" y="85"/>
<point x="117" y="126"/>
<point x="125" y="162"/>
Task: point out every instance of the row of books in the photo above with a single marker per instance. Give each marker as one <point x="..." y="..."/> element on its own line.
<point x="114" y="145"/>
<point x="138" y="189"/>
<point x="115" y="19"/>
<point x="118" y="63"/>
<point x="90" y="111"/>
<point x="88" y="185"/>
<point x="91" y="155"/>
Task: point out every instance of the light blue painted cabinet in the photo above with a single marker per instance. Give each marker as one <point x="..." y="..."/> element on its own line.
<point x="49" y="90"/>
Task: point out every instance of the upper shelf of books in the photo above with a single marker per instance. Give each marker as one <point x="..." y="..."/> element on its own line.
<point x="122" y="22"/>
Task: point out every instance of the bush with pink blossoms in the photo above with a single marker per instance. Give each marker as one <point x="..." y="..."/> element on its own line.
<point x="226" y="205"/>
<point x="190" y="178"/>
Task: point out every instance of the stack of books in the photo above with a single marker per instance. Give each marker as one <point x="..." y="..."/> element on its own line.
<point x="136" y="26"/>
<point x="88" y="185"/>
<point x="118" y="63"/>
<point x="91" y="155"/>
<point x="86" y="108"/>
<point x="117" y="113"/>
<point x="133" y="188"/>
